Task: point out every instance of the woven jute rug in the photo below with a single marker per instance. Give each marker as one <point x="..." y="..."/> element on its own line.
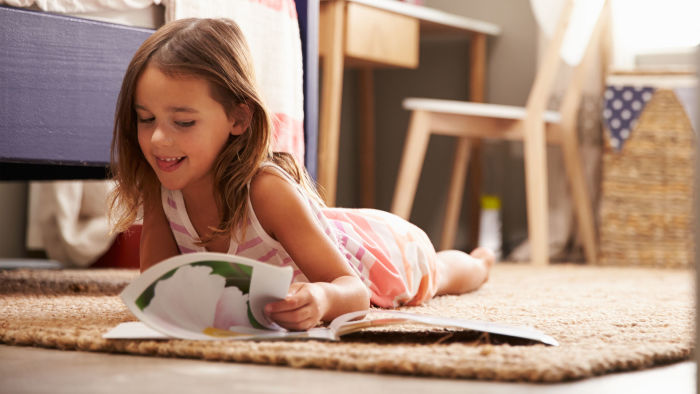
<point x="606" y="319"/>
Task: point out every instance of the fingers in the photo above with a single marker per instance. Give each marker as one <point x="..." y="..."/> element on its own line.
<point x="295" y="321"/>
<point x="295" y="299"/>
<point x="299" y="311"/>
<point x="283" y="313"/>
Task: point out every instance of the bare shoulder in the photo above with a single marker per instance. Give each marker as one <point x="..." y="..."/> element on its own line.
<point x="275" y="200"/>
<point x="270" y="185"/>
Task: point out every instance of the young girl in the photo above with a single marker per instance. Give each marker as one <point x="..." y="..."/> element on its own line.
<point x="191" y="147"/>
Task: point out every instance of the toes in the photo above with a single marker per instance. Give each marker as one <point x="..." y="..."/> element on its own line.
<point x="484" y="254"/>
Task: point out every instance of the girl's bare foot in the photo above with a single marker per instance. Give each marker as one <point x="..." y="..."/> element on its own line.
<point x="461" y="272"/>
<point x="487" y="256"/>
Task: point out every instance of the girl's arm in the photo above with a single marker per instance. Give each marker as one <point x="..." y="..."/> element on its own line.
<point x="157" y="242"/>
<point x="334" y="288"/>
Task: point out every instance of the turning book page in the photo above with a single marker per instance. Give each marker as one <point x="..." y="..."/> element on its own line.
<point x="205" y="296"/>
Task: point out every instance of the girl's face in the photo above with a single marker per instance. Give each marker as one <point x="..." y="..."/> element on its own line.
<point x="181" y="128"/>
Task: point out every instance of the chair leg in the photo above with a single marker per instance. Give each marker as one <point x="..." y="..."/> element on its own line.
<point x="454" y="196"/>
<point x="536" y="190"/>
<point x="474" y="185"/>
<point x="579" y="193"/>
<point x="411" y="164"/>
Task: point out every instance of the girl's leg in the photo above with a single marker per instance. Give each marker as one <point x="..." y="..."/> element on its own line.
<point x="461" y="272"/>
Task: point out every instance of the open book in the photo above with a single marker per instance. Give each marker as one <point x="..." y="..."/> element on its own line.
<point x="220" y="296"/>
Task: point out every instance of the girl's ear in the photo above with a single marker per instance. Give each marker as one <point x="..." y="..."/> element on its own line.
<point x="241" y="117"/>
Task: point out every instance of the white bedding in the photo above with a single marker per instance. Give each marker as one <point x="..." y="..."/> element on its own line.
<point x="79" y="6"/>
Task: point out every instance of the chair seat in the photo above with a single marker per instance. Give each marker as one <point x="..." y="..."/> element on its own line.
<point x="474" y="109"/>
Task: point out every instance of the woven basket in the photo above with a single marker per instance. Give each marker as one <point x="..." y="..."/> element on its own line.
<point x="646" y="209"/>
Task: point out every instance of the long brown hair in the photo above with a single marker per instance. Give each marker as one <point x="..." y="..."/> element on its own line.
<point x="215" y="50"/>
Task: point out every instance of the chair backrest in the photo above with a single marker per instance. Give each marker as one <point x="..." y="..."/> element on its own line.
<point x="573" y="27"/>
<point x="579" y="27"/>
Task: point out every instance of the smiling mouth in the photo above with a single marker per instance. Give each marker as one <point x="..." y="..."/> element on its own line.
<point x="169" y="163"/>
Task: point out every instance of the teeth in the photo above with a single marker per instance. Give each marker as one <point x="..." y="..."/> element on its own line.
<point x="171" y="158"/>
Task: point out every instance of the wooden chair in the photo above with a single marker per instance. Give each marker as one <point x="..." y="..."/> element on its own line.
<point x="532" y="124"/>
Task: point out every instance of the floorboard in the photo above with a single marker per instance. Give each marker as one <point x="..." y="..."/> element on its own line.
<point x="31" y="370"/>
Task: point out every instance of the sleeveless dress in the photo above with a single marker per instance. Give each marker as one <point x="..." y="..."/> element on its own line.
<point x="394" y="258"/>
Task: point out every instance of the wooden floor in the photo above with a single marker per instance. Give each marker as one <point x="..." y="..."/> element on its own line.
<point x="34" y="370"/>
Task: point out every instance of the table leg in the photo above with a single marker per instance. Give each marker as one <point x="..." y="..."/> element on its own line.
<point x="331" y="95"/>
<point x="477" y="67"/>
<point x="366" y="138"/>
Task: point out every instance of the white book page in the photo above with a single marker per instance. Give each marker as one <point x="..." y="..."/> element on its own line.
<point x="207" y="296"/>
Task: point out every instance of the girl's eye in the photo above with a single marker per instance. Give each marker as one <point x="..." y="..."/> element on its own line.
<point x="146" y="120"/>
<point x="185" y="124"/>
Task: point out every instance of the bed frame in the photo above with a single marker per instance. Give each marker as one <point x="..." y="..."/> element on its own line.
<point x="59" y="80"/>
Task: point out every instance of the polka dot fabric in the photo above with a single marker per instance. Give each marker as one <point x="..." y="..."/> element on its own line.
<point x="623" y="105"/>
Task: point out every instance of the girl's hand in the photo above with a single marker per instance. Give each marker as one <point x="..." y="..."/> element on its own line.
<point x="303" y="308"/>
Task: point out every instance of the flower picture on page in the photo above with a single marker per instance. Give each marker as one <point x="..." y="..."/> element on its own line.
<point x="202" y="297"/>
<point x="207" y="298"/>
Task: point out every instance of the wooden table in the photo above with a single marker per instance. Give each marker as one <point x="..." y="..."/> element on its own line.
<point x="378" y="33"/>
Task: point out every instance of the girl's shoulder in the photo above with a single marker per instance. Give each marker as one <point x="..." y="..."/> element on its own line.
<point x="276" y="200"/>
<point x="268" y="168"/>
<point x="266" y="179"/>
<point x="271" y="183"/>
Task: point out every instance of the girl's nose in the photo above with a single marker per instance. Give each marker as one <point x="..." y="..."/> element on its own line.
<point x="161" y="137"/>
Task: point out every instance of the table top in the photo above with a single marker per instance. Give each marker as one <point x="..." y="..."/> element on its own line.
<point x="432" y="19"/>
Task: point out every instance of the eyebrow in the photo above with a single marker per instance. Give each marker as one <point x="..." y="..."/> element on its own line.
<point x="171" y="109"/>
